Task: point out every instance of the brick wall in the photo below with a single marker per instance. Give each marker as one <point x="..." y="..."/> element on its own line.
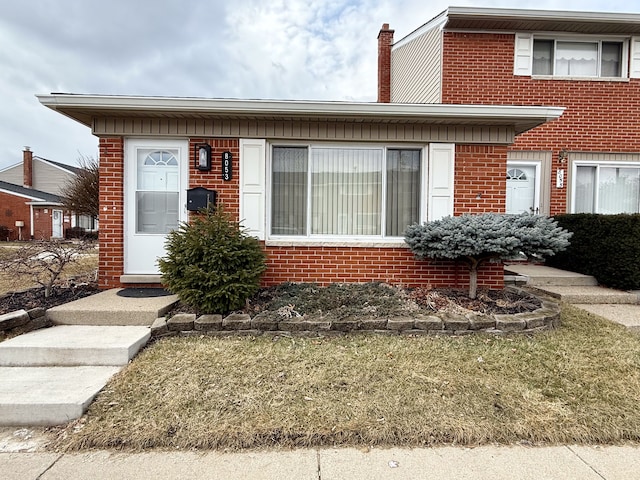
<point x="43" y="222"/>
<point x="480" y="184"/>
<point x="111" y="218"/>
<point x="354" y="264"/>
<point x="474" y="164"/>
<point x="385" y="40"/>
<point x="14" y="208"/>
<point x="227" y="190"/>
<point x="600" y="116"/>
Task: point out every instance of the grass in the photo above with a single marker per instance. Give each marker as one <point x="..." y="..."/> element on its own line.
<point x="87" y="265"/>
<point x="578" y="384"/>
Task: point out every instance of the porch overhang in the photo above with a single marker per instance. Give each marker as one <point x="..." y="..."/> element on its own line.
<point x="86" y="109"/>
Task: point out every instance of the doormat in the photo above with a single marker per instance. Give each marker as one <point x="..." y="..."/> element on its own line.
<point x="143" y="292"/>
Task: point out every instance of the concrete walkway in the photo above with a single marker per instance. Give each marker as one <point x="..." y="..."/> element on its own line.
<point x="581" y="291"/>
<point x="443" y="463"/>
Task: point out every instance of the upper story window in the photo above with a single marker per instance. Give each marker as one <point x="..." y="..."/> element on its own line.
<point x="577" y="58"/>
<point x="588" y="57"/>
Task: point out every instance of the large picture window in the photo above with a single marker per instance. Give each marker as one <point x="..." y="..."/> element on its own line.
<point x="344" y="191"/>
<point x="607" y="189"/>
<point x="573" y="58"/>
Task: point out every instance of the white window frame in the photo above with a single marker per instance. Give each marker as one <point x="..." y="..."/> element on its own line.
<point x="369" y="240"/>
<point x="525" y="41"/>
<point x="598" y="165"/>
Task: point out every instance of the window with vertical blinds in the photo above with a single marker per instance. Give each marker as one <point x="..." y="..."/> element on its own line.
<point x="608" y="189"/>
<point x="344" y="191"/>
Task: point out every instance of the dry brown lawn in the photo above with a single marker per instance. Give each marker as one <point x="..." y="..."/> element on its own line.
<point x="578" y="384"/>
<point x="87" y="265"/>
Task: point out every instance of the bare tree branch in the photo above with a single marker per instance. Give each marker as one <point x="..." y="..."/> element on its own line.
<point x="81" y="194"/>
<point x="44" y="261"/>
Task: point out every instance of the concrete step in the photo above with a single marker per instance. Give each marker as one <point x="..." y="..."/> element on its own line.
<point x="588" y="294"/>
<point x="68" y="345"/>
<point x="111" y="308"/>
<point x="624" y="314"/>
<point x="48" y="395"/>
<point x="542" y="275"/>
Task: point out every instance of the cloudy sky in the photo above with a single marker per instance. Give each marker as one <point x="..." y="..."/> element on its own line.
<point x="275" y="49"/>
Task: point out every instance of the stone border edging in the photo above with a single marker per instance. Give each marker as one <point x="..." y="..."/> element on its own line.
<point x="188" y="324"/>
<point x="22" y="321"/>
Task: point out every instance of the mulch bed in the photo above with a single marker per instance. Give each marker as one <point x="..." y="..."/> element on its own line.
<point x="272" y="299"/>
<point x="34" y="297"/>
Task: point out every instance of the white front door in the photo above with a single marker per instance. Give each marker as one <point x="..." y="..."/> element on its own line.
<point x="56" y="227"/>
<point x="523" y="187"/>
<point x="155" y="190"/>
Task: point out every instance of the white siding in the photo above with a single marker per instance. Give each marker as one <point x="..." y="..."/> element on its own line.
<point x="12" y="175"/>
<point x="49" y="178"/>
<point x="416" y="68"/>
<point x="46" y="177"/>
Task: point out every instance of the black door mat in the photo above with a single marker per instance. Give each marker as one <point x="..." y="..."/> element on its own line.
<point x="143" y="292"/>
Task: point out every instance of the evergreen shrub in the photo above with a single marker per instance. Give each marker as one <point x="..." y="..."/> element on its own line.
<point x="211" y="263"/>
<point x="476" y="239"/>
<point x="605" y="246"/>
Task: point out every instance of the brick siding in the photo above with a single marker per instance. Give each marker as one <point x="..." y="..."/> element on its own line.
<point x="312" y="264"/>
<point x="600" y="116"/>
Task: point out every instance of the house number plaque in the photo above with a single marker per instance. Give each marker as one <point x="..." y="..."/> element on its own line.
<point x="227" y="170"/>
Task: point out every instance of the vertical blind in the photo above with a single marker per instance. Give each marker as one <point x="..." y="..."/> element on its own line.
<point x="332" y="191"/>
<point x="403" y="190"/>
<point x="607" y="190"/>
<point x="289" y="186"/>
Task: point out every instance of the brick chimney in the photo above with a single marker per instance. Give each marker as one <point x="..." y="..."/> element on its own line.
<point x="27" y="167"/>
<point x="385" y="41"/>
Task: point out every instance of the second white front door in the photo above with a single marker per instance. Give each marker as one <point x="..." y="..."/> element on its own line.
<point x="523" y="188"/>
<point x="155" y="189"/>
<point x="56" y="225"/>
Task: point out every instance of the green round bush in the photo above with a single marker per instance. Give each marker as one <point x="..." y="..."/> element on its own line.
<point x="211" y="263"/>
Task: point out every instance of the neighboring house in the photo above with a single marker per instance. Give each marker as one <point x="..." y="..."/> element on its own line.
<point x="327" y="187"/>
<point x="38" y="179"/>
<point x="31" y="214"/>
<point x="589" y="63"/>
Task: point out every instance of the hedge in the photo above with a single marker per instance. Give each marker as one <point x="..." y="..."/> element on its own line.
<point x="604" y="246"/>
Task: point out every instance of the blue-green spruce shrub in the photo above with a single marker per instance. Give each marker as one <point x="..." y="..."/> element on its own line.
<point x="476" y="239"/>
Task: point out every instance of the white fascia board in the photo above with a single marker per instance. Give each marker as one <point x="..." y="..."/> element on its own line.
<point x="436" y="22"/>
<point x="299" y="108"/>
<point x="44" y="204"/>
<point x="11" y="166"/>
<point x="15" y="194"/>
<point x="564" y="15"/>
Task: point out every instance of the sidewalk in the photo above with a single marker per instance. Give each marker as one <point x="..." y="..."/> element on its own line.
<point x="443" y="463"/>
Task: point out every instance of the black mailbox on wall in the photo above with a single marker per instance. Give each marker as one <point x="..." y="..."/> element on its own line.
<point x="199" y="198"/>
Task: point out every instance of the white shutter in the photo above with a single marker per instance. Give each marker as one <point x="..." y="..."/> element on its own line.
<point x="523" y="53"/>
<point x="441" y="170"/>
<point x="634" y="68"/>
<point x="252" y="186"/>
